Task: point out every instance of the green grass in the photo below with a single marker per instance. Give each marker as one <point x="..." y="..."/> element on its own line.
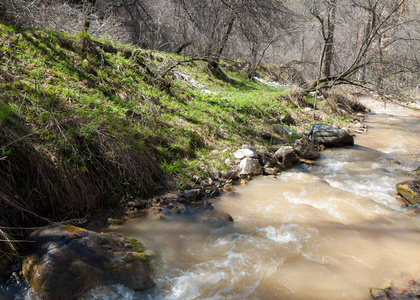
<point x="71" y="94"/>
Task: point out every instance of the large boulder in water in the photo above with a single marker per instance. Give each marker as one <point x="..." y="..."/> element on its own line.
<point x="330" y="136"/>
<point x="66" y="261"/>
<point x="410" y="190"/>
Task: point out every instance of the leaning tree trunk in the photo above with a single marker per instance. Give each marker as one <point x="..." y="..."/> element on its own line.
<point x="214" y="63"/>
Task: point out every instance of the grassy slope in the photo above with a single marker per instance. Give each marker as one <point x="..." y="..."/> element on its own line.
<point x="67" y="145"/>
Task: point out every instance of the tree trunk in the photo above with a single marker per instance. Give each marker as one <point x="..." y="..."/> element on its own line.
<point x="88" y="12"/>
<point x="215" y="62"/>
<point x="368" y="29"/>
<point x="329" y="42"/>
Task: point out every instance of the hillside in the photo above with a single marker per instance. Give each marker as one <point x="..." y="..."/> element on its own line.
<point x="87" y="124"/>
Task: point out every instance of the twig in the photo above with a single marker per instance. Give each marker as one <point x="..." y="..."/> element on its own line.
<point x="21" y="138"/>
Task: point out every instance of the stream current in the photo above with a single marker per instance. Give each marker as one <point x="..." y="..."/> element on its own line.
<point x="328" y="231"/>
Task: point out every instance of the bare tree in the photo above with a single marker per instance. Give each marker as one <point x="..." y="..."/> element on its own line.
<point x="327" y="19"/>
<point x="231" y="28"/>
<point x="380" y="15"/>
<point x="374" y="43"/>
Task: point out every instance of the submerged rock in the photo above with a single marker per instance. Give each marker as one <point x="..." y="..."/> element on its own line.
<point x="330" y="136"/>
<point x="270" y="171"/>
<point x="410" y="191"/>
<point x="193" y="195"/>
<point x="213" y="218"/>
<point x="66" y="261"/>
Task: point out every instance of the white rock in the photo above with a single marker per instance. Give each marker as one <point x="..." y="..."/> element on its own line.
<point x="250" y="166"/>
<point x="244" y="153"/>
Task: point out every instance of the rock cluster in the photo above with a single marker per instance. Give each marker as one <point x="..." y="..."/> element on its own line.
<point x="411" y="291"/>
<point x="272" y="161"/>
<point x="247" y="162"/>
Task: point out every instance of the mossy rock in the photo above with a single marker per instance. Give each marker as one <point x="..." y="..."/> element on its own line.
<point x="378" y="294"/>
<point x="410" y="191"/>
<point x="66" y="262"/>
<point x="71" y="228"/>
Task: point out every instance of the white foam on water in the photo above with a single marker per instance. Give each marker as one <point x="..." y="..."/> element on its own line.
<point x="323" y="260"/>
<point x="281" y="236"/>
<point x="381" y="191"/>
<point x="327" y="204"/>
<point x="184" y="287"/>
<point x="297" y="176"/>
<point x="206" y="276"/>
<point x="113" y="292"/>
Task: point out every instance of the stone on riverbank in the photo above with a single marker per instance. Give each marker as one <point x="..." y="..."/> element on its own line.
<point x="306" y="149"/>
<point x="282" y="151"/>
<point x="286" y="156"/>
<point x="245" y="153"/>
<point x="330" y="136"/>
<point x="410" y="191"/>
<point x="284" y="131"/>
<point x="66" y="261"/>
<point x="193" y="195"/>
<point x="250" y="166"/>
<point x="266" y="136"/>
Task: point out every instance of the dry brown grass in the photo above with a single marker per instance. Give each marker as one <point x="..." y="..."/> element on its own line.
<point x="39" y="188"/>
<point x="344" y="101"/>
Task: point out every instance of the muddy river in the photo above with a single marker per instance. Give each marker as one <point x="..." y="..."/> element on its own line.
<point x="328" y="231"/>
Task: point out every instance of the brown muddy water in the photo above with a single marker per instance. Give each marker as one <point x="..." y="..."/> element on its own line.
<point x="329" y="231"/>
